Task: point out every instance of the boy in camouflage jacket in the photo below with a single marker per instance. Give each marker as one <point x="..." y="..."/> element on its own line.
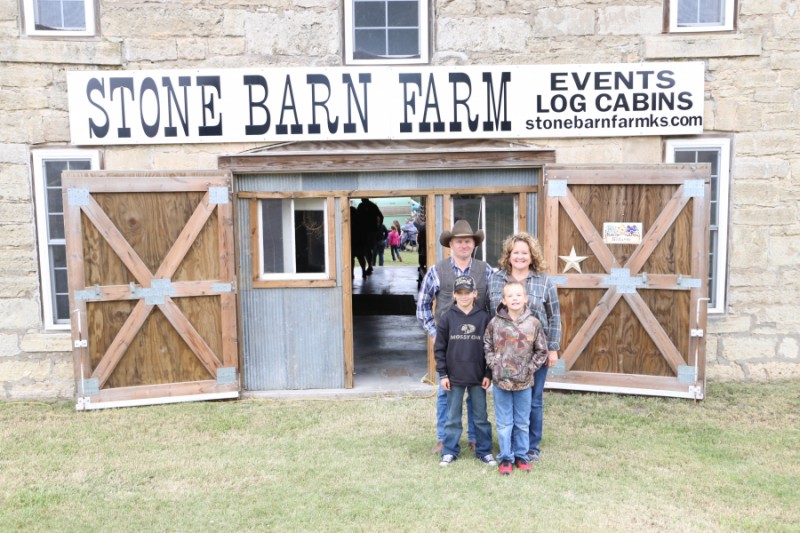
<point x="515" y="346"/>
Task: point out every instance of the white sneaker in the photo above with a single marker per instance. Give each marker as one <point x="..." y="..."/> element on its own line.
<point x="447" y="459"/>
<point x="489" y="460"/>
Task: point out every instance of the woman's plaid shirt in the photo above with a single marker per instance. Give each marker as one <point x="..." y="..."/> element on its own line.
<point x="542" y="299"/>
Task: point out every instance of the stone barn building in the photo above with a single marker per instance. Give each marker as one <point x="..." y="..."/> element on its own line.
<point x="506" y="111"/>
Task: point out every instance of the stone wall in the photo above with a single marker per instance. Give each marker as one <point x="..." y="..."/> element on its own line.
<point x="752" y="93"/>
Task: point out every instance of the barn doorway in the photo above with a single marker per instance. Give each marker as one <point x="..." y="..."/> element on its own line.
<point x="389" y="347"/>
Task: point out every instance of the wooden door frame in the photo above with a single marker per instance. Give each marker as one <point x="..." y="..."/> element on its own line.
<point x="393" y="156"/>
<point x="684" y="176"/>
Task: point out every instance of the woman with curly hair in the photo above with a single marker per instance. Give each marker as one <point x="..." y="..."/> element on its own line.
<point x="521" y="260"/>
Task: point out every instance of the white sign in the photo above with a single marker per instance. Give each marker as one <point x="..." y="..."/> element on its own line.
<point x="622" y="232"/>
<point x="303" y="104"/>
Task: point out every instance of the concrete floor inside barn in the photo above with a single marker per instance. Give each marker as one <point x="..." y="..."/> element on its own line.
<point x="390" y="349"/>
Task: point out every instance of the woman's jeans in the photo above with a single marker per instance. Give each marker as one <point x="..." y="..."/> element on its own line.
<point x="537" y="409"/>
<point x="512" y="412"/>
<point x="454" y="427"/>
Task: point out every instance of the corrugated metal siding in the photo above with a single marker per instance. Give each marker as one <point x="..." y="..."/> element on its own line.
<point x="439" y="207"/>
<point x="281" y="348"/>
<point x="533" y="214"/>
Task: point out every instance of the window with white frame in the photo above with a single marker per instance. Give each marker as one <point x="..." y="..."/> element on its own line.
<point x="294" y="238"/>
<point x="701" y="15"/>
<point x="717" y="152"/>
<point x="495" y="214"/>
<point x="386" y="31"/>
<point x="59" y="17"/>
<point x="47" y="168"/>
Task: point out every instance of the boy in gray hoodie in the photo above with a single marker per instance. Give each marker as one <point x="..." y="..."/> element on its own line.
<point x="515" y="346"/>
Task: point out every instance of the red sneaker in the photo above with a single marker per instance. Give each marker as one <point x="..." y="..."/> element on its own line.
<point x="505" y="467"/>
<point x="523" y="464"/>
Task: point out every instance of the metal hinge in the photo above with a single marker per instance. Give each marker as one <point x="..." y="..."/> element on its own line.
<point x="696" y="391"/>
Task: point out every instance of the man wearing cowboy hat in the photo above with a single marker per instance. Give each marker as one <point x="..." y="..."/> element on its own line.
<point x="438" y="286"/>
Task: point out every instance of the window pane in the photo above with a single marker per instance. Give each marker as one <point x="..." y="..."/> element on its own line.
<point x="48" y="14"/>
<point x="698" y="12"/>
<point x="61" y="280"/>
<point x="74" y="15"/>
<point x="58" y="255"/>
<point x="294" y="238"/>
<point x="54" y="201"/>
<point x="309" y="237"/>
<point x="386" y="29"/>
<point x="62" y="308"/>
<point x="499" y="224"/>
<point x="272" y="235"/>
<point x="684" y="156"/>
<point x="52" y="172"/>
<point x="60" y="288"/>
<point x="61" y="14"/>
<point x="403" y="43"/>
<point x="710" y="12"/>
<point x="403" y="13"/>
<point x="710" y="156"/>
<point x="712" y="267"/>
<point x="55" y="225"/>
<point x="369" y="14"/>
<point x="370" y="44"/>
<point x="84" y="164"/>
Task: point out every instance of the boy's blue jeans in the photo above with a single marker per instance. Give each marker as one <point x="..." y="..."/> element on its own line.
<point x="512" y="414"/>
<point x="453" y="428"/>
<point x="441" y="414"/>
<point x="537" y="409"/>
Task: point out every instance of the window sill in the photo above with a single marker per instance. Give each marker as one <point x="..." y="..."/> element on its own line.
<point x="685" y="46"/>
<point x="292" y="283"/>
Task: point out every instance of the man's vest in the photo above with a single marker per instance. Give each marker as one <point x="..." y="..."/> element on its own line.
<point x="445" y="299"/>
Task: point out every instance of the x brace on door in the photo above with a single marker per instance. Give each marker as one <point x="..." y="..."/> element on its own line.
<point x="156" y="289"/>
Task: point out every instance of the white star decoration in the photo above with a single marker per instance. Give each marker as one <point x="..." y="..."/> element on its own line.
<point x="573" y="261"/>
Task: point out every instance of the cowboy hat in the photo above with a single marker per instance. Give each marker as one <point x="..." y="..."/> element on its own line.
<point x="461" y="229"/>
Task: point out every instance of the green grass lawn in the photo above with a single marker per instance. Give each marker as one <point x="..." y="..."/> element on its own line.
<point x="609" y="463"/>
<point x="409" y="258"/>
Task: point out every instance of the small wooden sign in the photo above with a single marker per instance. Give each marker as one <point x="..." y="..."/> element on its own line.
<point x="622" y="232"/>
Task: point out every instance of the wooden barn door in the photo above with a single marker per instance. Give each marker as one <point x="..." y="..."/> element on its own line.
<point x="627" y="246"/>
<point x="150" y="259"/>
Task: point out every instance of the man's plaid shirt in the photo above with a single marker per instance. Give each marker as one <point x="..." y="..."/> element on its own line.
<point x="542" y="299"/>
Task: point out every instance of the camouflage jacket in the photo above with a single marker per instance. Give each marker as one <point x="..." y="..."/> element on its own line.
<point x="514" y="349"/>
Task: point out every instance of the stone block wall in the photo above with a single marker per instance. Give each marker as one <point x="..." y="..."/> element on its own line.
<point x="752" y="94"/>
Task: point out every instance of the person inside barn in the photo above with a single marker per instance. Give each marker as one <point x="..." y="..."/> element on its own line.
<point x="437" y="286"/>
<point x="358" y="244"/>
<point x="369" y="218"/>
